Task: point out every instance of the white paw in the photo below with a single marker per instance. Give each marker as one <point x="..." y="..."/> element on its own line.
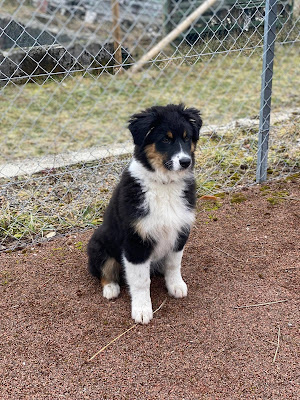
<point x="111" y="290"/>
<point x="177" y="289"/>
<point x="142" y="313"/>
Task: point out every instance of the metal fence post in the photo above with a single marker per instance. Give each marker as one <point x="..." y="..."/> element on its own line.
<point x="266" y="89"/>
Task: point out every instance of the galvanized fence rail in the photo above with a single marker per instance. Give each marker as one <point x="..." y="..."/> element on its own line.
<point x="70" y="78"/>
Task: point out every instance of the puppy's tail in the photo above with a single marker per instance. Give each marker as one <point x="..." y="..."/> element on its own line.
<point x="100" y="264"/>
<point x="97" y="256"/>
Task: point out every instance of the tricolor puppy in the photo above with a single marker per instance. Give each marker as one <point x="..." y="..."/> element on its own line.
<point x="148" y="219"/>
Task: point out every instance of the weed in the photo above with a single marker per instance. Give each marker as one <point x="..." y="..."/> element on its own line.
<point x="211" y="205"/>
<point x="5" y="277"/>
<point x="79" y="245"/>
<point x="264" y="189"/>
<point x="237" y="198"/>
<point x="220" y="195"/>
<point x="273" y="200"/>
<point x="276" y="196"/>
<point x="292" y="177"/>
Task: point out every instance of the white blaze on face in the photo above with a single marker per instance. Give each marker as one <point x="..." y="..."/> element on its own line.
<point x="181" y="160"/>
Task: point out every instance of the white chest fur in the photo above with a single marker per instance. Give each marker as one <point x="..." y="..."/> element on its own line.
<point x="168" y="213"/>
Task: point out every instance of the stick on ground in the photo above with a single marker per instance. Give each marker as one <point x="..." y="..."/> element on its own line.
<point x="122" y="334"/>
<point x="261" y="304"/>
<point x="277" y="348"/>
<point x="227" y="254"/>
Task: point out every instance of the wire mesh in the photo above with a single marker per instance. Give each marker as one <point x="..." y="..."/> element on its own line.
<point x="66" y="98"/>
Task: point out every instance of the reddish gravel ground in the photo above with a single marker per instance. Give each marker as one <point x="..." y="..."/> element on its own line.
<point x="53" y="316"/>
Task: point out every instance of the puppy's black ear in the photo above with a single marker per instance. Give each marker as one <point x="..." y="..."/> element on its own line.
<point x="141" y="124"/>
<point x="194" y="118"/>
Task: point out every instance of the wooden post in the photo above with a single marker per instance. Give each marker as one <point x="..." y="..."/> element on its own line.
<point x="172" y="35"/>
<point x="116" y="33"/>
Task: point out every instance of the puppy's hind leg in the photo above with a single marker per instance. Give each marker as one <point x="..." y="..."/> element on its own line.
<point x="102" y="266"/>
<point x="110" y="279"/>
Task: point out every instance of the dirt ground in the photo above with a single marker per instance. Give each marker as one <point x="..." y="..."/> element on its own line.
<point x="244" y="250"/>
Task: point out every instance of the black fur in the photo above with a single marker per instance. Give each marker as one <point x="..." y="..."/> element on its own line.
<point x="117" y="236"/>
<point x="116" y="231"/>
<point x="151" y="126"/>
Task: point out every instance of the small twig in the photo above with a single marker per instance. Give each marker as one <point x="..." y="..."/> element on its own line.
<point x="261" y="304"/>
<point x="277" y="348"/>
<point x="229" y="255"/>
<point x="49" y="280"/>
<point x="118" y="337"/>
<point x="162" y="304"/>
<point x="122" y="334"/>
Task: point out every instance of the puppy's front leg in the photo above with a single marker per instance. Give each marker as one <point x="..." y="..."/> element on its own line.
<point x="174" y="282"/>
<point x="136" y="261"/>
<point x="138" y="279"/>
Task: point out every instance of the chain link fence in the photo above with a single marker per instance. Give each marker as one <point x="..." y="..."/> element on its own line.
<point x="67" y="92"/>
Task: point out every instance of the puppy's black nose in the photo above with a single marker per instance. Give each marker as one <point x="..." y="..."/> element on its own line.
<point x="185" y="162"/>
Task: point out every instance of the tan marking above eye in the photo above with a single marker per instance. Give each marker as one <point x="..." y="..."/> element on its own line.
<point x="170" y="135"/>
<point x="184" y="134"/>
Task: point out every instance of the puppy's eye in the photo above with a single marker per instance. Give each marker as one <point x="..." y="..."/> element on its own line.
<point x="167" y="140"/>
<point x="186" y="138"/>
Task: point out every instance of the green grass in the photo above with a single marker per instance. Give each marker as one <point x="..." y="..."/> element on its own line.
<point x="79" y="112"/>
<point x="272" y="196"/>
<point x="237" y="198"/>
<point x="75" y="197"/>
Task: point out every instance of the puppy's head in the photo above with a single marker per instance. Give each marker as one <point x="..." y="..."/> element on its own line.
<point x="165" y="137"/>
